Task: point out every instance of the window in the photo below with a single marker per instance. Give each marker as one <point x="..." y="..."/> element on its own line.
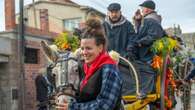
<point x="14" y="92"/>
<point x="70" y="24"/>
<point x="31" y="56"/>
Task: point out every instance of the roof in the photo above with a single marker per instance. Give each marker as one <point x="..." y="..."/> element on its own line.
<point x="34" y="32"/>
<point x="189" y="34"/>
<point x="65" y="2"/>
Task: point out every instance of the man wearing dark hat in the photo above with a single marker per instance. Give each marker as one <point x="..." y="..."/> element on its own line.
<point x="118" y="29"/>
<point x="149" y="30"/>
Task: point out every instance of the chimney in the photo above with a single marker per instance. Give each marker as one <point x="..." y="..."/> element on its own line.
<point x="10" y="21"/>
<point x="44" y="21"/>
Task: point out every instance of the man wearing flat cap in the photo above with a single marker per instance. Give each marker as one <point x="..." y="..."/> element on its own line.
<point x="148" y="31"/>
<point x="118" y="29"/>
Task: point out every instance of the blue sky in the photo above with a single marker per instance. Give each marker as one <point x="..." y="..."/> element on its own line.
<point x="172" y="11"/>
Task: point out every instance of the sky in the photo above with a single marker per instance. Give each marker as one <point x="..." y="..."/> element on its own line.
<point x="172" y="11"/>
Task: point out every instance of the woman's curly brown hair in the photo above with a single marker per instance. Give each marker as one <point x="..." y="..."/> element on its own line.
<point x="94" y="29"/>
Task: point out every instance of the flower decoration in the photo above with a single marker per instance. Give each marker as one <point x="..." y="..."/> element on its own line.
<point x="168" y="102"/>
<point x="67" y="41"/>
<point x="164" y="45"/>
<point x="114" y="55"/>
<point x="161" y="48"/>
<point x="157" y="62"/>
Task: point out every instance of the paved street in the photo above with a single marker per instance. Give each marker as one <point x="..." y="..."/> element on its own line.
<point x="178" y="107"/>
<point x="193" y="102"/>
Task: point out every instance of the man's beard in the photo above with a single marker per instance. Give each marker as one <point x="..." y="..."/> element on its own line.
<point x="115" y="21"/>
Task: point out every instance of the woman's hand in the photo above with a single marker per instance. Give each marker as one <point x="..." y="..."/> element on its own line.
<point x="62" y="106"/>
<point x="61" y="102"/>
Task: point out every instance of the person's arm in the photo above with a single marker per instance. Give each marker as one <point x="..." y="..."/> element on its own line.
<point x="190" y="76"/>
<point x="132" y="36"/>
<point x="108" y="96"/>
<point x="154" y="31"/>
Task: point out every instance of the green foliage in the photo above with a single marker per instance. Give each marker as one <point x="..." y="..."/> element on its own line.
<point x="67" y="41"/>
<point x="164" y="45"/>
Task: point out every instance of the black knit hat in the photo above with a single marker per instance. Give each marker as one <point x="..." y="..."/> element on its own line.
<point x="114" y="7"/>
<point x="148" y="4"/>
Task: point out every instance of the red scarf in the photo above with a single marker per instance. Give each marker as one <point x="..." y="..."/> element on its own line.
<point x="99" y="61"/>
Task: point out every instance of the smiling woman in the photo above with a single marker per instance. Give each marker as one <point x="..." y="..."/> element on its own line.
<point x="93" y="41"/>
<point x="101" y="85"/>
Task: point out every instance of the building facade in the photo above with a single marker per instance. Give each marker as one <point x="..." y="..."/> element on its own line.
<point x="57" y="15"/>
<point x="11" y="80"/>
<point x="189" y="39"/>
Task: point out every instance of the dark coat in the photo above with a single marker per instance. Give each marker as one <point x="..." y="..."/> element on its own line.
<point x="149" y="31"/>
<point x="41" y="88"/>
<point x="118" y="34"/>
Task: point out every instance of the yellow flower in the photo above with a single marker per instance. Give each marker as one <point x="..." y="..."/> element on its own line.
<point x="164" y="45"/>
<point x="172" y="44"/>
<point x="160" y="46"/>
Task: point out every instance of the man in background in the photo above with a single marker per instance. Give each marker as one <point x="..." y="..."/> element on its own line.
<point x="45" y="84"/>
<point x="118" y="29"/>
